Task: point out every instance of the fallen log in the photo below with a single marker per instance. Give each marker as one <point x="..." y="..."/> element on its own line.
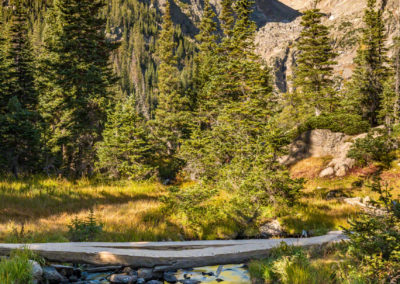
<point x="164" y="256"/>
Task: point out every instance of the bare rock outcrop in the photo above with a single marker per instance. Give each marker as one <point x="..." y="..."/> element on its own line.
<point x="323" y="143"/>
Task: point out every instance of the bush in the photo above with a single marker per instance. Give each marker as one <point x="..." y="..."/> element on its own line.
<point x="289" y="264"/>
<point x="375" y="238"/>
<point x="85" y="230"/>
<point x="349" y="124"/>
<point x="18" y="269"/>
<point x="373" y="149"/>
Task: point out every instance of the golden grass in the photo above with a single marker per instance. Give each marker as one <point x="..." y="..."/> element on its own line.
<point x="309" y="168"/>
<point x="317" y="215"/>
<point x="40" y="209"/>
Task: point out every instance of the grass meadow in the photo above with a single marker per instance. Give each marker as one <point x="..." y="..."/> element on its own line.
<point x="39" y="209"/>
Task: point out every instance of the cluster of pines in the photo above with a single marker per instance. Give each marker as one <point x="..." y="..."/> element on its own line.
<point x="111" y="88"/>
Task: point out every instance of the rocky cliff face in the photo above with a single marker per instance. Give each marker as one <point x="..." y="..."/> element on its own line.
<point x="279" y="28"/>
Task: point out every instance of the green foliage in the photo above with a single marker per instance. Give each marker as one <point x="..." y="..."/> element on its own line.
<point x="364" y="91"/>
<point x="171" y="123"/>
<point x="373" y="148"/>
<point x="125" y="151"/>
<point x="20" y="139"/>
<point x="313" y="76"/>
<point x="375" y="238"/>
<point x="75" y="84"/>
<point x="289" y="264"/>
<point x="19" y="131"/>
<point x="350" y="124"/>
<point x="85" y="230"/>
<point x="20" y="58"/>
<point x="234" y="144"/>
<point x="17" y="269"/>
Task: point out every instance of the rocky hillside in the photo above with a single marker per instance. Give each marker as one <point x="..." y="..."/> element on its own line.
<point x="279" y="28"/>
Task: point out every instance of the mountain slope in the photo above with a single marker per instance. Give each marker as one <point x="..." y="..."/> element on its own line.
<point x="279" y="28"/>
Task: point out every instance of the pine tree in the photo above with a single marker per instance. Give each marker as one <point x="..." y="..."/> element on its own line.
<point x="227" y="17"/>
<point x="125" y="151"/>
<point x="396" y="60"/>
<point x="19" y="54"/>
<point x="3" y="67"/>
<point x="172" y="115"/>
<point x="314" y="71"/>
<point x="367" y="83"/>
<point x="235" y="148"/>
<point x="18" y="127"/>
<point x="19" y="139"/>
<point x="75" y="82"/>
<point x="390" y="98"/>
<point x="207" y="44"/>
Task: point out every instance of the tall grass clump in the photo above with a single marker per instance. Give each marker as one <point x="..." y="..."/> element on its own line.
<point x="290" y="265"/>
<point x="17" y="269"/>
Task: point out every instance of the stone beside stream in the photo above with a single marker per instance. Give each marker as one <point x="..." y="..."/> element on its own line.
<point x="55" y="274"/>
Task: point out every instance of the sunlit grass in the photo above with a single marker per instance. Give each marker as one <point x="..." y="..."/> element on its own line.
<point x="39" y="209"/>
<point x="317" y="215"/>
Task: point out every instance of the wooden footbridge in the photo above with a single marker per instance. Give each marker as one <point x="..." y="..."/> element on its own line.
<point x="167" y="255"/>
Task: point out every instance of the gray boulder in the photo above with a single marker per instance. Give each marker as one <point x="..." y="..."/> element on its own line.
<point x="52" y="276"/>
<point x="170" y="277"/>
<point x="123" y="279"/>
<point x="37" y="270"/>
<point x="190" y="281"/>
<point x="271" y="229"/>
<point x="145" y="273"/>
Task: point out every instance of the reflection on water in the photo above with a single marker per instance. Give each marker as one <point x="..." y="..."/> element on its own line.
<point x="233" y="274"/>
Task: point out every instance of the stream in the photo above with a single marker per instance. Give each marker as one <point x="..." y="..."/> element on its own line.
<point x="229" y="274"/>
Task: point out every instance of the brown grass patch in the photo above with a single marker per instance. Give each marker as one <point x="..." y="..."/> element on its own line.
<point x="309" y="168"/>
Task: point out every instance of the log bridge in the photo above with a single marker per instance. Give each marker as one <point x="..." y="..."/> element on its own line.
<point x="163" y="256"/>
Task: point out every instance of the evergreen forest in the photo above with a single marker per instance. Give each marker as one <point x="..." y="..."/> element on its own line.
<point x="111" y="108"/>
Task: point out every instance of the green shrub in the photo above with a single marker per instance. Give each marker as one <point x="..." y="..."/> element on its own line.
<point x="349" y="124"/>
<point x="85" y="230"/>
<point x="375" y="238"/>
<point x="373" y="149"/>
<point x="290" y="265"/>
<point x="17" y="269"/>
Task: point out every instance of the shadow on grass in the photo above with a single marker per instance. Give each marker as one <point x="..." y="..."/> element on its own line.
<point x="24" y="206"/>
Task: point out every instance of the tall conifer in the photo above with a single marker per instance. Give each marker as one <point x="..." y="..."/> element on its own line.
<point x="18" y="120"/>
<point x="313" y="76"/>
<point x="3" y="66"/>
<point x="19" y="54"/>
<point x="170" y="125"/>
<point x="125" y="151"/>
<point x="367" y="83"/>
<point x="75" y="82"/>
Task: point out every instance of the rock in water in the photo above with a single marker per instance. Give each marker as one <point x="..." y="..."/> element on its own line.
<point x="190" y="281"/>
<point x="170" y="277"/>
<point x="37" y="270"/>
<point x="154" y="282"/>
<point x="123" y="279"/>
<point x="145" y="273"/>
<point x="52" y="276"/>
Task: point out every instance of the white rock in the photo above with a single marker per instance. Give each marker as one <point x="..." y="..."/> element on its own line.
<point x="328" y="172"/>
<point x="271" y="229"/>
